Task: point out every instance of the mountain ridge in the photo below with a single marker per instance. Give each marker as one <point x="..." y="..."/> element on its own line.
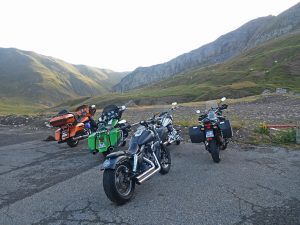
<point x="249" y="35"/>
<point x="47" y="80"/>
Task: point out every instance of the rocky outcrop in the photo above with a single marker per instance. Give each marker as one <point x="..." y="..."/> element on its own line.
<point x="225" y="47"/>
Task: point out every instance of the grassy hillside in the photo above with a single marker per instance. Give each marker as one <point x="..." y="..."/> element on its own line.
<point x="30" y="79"/>
<point x="274" y="64"/>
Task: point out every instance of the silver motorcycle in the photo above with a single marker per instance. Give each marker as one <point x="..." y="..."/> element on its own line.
<point x="165" y="119"/>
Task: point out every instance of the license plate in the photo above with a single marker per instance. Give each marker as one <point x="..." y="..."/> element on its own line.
<point x="64" y="134"/>
<point x="210" y="133"/>
<point x="101" y="145"/>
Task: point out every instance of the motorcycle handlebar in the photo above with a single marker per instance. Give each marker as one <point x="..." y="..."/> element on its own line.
<point x="216" y="110"/>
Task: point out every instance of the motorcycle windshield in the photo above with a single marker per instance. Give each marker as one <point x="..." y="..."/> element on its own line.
<point x="212" y="115"/>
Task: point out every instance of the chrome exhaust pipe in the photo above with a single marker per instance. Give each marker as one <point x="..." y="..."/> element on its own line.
<point x="147" y="171"/>
<point x="81" y="137"/>
<point x="143" y="177"/>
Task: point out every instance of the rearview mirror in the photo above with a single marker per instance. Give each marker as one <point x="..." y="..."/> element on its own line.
<point x="223" y="99"/>
<point x="198" y="111"/>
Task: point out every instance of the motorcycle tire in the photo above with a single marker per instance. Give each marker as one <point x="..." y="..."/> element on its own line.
<point x="114" y="184"/>
<point x="72" y="143"/>
<point x="214" y="150"/>
<point x="165" y="160"/>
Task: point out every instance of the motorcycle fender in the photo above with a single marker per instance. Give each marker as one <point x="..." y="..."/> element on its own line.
<point x="111" y="162"/>
<point x="58" y="134"/>
<point x="78" y="127"/>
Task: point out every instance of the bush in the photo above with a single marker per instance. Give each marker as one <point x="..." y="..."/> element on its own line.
<point x="284" y="137"/>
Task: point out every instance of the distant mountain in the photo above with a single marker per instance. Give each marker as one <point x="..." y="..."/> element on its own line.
<point x="31" y="78"/>
<point x="248" y="36"/>
<point x="274" y="64"/>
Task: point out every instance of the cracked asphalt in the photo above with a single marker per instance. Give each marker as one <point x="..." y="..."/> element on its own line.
<point x="44" y="183"/>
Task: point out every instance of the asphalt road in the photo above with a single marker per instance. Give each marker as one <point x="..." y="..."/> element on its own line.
<point x="46" y="183"/>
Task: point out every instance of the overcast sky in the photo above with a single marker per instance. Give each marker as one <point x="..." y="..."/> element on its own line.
<point x="124" y="34"/>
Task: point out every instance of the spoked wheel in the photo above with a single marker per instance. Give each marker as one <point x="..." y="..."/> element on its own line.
<point x="165" y="160"/>
<point x="72" y="143"/>
<point x="214" y="150"/>
<point x="117" y="184"/>
<point x="178" y="138"/>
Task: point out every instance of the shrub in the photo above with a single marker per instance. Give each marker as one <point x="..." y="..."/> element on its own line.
<point x="284" y="137"/>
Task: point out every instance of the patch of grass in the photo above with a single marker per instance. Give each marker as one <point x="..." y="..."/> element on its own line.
<point x="186" y="123"/>
<point x="237" y="124"/>
<point x="18" y="106"/>
<point x="284" y="137"/>
<point x="262" y="129"/>
<point x="263" y="135"/>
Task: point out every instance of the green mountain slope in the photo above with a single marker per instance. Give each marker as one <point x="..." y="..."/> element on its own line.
<point x="226" y="47"/>
<point x="269" y="66"/>
<point x="30" y="78"/>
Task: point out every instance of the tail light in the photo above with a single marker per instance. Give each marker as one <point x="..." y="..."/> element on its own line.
<point x="207" y="125"/>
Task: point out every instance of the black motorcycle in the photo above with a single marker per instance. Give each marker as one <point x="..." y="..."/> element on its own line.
<point x="214" y="130"/>
<point x="166" y="120"/>
<point x="145" y="156"/>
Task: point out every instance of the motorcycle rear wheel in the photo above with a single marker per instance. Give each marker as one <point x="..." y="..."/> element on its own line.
<point x="214" y="150"/>
<point x="72" y="143"/>
<point x="117" y="184"/>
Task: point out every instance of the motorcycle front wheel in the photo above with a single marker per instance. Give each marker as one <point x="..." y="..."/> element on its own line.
<point x="117" y="184"/>
<point x="165" y="160"/>
<point x="214" y="150"/>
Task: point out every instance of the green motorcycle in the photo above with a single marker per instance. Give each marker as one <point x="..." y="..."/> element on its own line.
<point x="111" y="133"/>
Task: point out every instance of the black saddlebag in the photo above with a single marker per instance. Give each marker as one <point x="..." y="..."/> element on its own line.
<point x="226" y="128"/>
<point x="196" y="134"/>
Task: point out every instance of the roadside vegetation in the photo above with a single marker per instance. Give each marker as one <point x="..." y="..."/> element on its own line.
<point x="264" y="135"/>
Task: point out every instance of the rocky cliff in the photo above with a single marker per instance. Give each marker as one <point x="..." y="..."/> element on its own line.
<point x="225" y="47"/>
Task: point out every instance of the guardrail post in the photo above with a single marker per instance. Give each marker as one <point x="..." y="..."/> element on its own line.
<point x="298" y="133"/>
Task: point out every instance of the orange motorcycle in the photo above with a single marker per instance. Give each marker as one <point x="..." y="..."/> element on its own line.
<point x="74" y="126"/>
